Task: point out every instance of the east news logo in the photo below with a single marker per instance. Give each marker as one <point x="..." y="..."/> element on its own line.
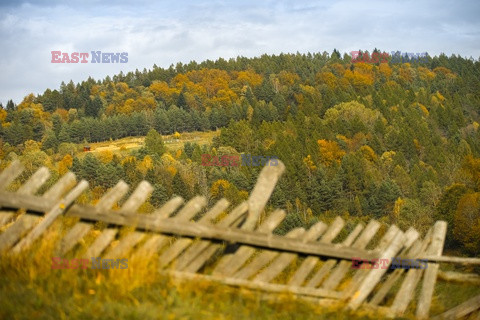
<point x="97" y="57"/>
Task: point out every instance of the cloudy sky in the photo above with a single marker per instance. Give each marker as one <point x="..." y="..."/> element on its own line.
<point x="166" y="32"/>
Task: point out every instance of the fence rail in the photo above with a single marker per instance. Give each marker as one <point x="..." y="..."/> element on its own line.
<point x="232" y="245"/>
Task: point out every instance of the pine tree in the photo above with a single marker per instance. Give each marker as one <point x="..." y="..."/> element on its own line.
<point x="159" y="195"/>
<point x="50" y="142"/>
<point x="154" y="143"/>
<point x="180" y="188"/>
<point x="182" y="101"/>
<point x="10" y="105"/>
<point x="93" y="106"/>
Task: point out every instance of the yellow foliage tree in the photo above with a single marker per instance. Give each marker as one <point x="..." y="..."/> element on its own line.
<point x="385" y="70"/>
<point x="287" y="78"/>
<point x="219" y="188"/>
<point x="330" y="152"/>
<point x="65" y="164"/>
<point x="368" y="153"/>
<point x="327" y="78"/>
<point x="105" y="156"/>
<point x="144" y="165"/>
<point x="471" y="170"/>
<point x="161" y="90"/>
<point x="37" y="108"/>
<point x="467" y="222"/>
<point x="3" y="115"/>
<point x="425" y="74"/>
<point x="359" y="79"/>
<point x="397" y="207"/>
<point x="172" y="170"/>
<point x="127" y="107"/>
<point x="249" y="77"/>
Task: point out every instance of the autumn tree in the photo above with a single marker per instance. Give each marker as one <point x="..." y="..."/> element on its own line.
<point x="467" y="222"/>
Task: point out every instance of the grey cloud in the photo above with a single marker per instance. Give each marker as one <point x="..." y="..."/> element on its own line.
<point x="163" y="33"/>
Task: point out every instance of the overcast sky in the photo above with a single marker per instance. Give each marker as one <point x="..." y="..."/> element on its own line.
<point x="166" y="32"/>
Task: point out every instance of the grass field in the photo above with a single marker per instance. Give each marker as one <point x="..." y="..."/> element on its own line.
<point x="172" y="143"/>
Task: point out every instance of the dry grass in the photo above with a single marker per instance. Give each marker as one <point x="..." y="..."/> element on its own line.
<point x="172" y="143"/>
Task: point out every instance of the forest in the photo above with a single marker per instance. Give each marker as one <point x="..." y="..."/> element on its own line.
<point x="398" y="142"/>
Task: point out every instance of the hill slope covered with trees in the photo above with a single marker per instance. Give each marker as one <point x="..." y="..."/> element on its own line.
<point x="397" y="142"/>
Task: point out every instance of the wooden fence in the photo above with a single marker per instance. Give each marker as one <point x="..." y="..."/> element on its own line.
<point x="233" y="245"/>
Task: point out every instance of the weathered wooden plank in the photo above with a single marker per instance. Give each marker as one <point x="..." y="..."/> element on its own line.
<point x="362" y="273"/>
<point x="388" y="237"/>
<point x="333" y="230"/>
<point x="192" y="207"/>
<point x="428" y="285"/>
<point x="29" y="187"/>
<point x="453" y="276"/>
<point x="264" y="257"/>
<point x="343" y="266"/>
<point x="80" y="229"/>
<point x="10" y="173"/>
<point x="408" y="286"/>
<point x="461" y="310"/>
<point x="309" y="263"/>
<point x="285" y="259"/>
<point x="229" y="264"/>
<point x="100" y="243"/>
<point x="330" y="263"/>
<point x="65" y="183"/>
<point x="125" y="244"/>
<point x="405" y="293"/>
<point x="321" y="273"/>
<point x="156" y="241"/>
<point x="26" y="221"/>
<point x="386" y="286"/>
<point x="149" y="223"/>
<point x="448" y="259"/>
<point x="50" y="216"/>
<point x="112" y="196"/>
<point x="195" y="258"/>
<point x="181" y="244"/>
<point x="35" y="181"/>
<point x="410" y="235"/>
<point x="138" y="197"/>
<point x="168" y="208"/>
<point x="370" y="281"/>
<point x="354" y="234"/>
<point x="16" y="230"/>
<point x="261" y="193"/>
<point x="6" y="217"/>
<point x="269" y="287"/>
<point x="367" y="235"/>
<point x="212" y="214"/>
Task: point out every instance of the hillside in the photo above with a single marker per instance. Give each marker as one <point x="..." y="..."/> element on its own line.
<point x="394" y="141"/>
